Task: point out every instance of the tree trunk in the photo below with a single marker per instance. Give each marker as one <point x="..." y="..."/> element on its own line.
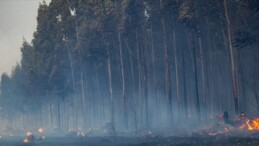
<point x="145" y="81"/>
<point x="167" y="77"/>
<point x="58" y="113"/>
<point x="176" y="76"/>
<point x="98" y="94"/>
<point x="139" y="81"/>
<point x="83" y="98"/>
<point x="111" y="89"/>
<point x="233" y="61"/>
<point x="196" y="79"/>
<point x="155" y="79"/>
<point x="125" y="115"/>
<point x="202" y="75"/>
<point x="133" y="82"/>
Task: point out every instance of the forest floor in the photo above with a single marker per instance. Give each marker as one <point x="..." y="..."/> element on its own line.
<point x="136" y="141"/>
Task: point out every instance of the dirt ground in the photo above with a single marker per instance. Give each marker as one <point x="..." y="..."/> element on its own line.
<point x="134" y="141"/>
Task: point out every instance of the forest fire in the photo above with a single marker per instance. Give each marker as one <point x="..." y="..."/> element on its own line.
<point x="29" y="133"/>
<point x="129" y="72"/>
<point x="30" y="137"/>
<point x="240" y="125"/>
<point x="40" y="130"/>
<point x="252" y="124"/>
<point x="26" y="140"/>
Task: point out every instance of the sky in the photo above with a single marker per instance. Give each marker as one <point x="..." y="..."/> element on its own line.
<point x="17" y="21"/>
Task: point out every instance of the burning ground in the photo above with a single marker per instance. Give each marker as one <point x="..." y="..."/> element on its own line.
<point x="138" y="141"/>
<point x="241" y="132"/>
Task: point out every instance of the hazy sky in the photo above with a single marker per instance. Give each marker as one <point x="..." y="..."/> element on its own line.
<point x="17" y="20"/>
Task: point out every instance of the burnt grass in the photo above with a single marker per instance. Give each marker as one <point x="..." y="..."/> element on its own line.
<point x="135" y="141"/>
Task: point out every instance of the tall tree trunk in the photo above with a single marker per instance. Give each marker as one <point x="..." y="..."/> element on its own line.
<point x="98" y="94"/>
<point x="73" y="82"/>
<point x="184" y="86"/>
<point x="176" y="75"/>
<point x="83" y="98"/>
<point x="167" y="77"/>
<point x="202" y="75"/>
<point x="125" y="115"/>
<point x="196" y="78"/>
<point x="145" y="80"/>
<point x="58" y="112"/>
<point x="133" y="102"/>
<point x="208" y="71"/>
<point x="233" y="61"/>
<point x="110" y="89"/>
<point x="255" y="78"/>
<point x="71" y="67"/>
<point x="155" y="78"/>
<point x="139" y="81"/>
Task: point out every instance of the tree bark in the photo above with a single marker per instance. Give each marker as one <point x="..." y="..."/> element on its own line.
<point x="233" y="61"/>
<point x="196" y="78"/>
<point x="125" y="115"/>
<point x="202" y="75"/>
<point x="167" y="77"/>
<point x="111" y="89"/>
<point x="176" y="74"/>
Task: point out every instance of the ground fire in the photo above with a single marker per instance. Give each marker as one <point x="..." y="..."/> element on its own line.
<point x="30" y="137"/>
<point x="40" y="130"/>
<point x="223" y="126"/>
<point x="252" y="124"/>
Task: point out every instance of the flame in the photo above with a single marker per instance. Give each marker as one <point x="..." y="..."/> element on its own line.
<point x="252" y="124"/>
<point x="249" y="127"/>
<point x="40" y="130"/>
<point x="256" y="124"/>
<point x="242" y="126"/>
<point x="226" y="129"/>
<point x="29" y="133"/>
<point x="26" y="140"/>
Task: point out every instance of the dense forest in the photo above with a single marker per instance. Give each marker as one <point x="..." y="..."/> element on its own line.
<point x="138" y="64"/>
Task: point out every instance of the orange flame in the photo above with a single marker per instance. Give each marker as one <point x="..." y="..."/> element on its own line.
<point x="252" y="124"/>
<point x="242" y="126"/>
<point x="29" y="133"/>
<point x="40" y="130"/>
<point x="26" y="140"/>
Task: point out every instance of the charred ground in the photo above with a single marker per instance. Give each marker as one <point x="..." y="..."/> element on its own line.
<point x="138" y="141"/>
